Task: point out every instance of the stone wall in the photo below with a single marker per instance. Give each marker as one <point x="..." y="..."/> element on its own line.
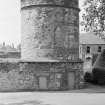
<point x="12" y="79"/>
<point x="27" y="76"/>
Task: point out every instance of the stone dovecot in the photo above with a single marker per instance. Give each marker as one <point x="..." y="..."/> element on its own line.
<point x="50" y="29"/>
<point x="50" y="41"/>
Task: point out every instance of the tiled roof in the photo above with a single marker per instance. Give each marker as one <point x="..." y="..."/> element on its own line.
<point x="90" y="38"/>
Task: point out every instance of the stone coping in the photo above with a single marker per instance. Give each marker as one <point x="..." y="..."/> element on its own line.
<point x="65" y="3"/>
<point x="52" y="61"/>
<point x="31" y="6"/>
<point x="12" y="60"/>
<point x="9" y="60"/>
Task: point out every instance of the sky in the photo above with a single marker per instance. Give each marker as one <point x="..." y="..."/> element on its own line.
<point x="10" y="23"/>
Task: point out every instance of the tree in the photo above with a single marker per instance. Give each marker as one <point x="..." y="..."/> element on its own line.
<point x="94" y="16"/>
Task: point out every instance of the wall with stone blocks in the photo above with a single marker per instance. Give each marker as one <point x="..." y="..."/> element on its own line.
<point x="27" y="76"/>
<point x="11" y="78"/>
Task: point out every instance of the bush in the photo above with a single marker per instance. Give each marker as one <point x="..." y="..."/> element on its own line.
<point x="88" y="77"/>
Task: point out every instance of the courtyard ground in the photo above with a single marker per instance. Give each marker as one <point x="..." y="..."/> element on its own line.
<point x="93" y="95"/>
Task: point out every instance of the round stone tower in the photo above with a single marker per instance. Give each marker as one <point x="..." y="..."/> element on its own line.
<point x="50" y="30"/>
<point x="50" y="43"/>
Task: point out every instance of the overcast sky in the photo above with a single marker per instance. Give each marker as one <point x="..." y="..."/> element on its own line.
<point x="10" y="21"/>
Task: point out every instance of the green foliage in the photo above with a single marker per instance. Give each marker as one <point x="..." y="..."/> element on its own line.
<point x="94" y="16"/>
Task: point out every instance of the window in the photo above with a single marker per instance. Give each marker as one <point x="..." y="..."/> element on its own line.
<point x="88" y="49"/>
<point x="99" y="49"/>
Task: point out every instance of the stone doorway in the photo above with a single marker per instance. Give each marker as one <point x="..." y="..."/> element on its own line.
<point x="71" y="80"/>
<point x="43" y="83"/>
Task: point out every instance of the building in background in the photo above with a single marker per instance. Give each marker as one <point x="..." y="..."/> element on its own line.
<point x="9" y="51"/>
<point x="90" y="46"/>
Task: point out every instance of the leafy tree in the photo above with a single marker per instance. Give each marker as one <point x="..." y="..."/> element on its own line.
<point x="94" y="16"/>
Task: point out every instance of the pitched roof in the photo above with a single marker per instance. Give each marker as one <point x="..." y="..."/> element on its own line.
<point x="90" y="38"/>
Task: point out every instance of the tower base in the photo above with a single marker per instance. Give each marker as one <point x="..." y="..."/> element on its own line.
<point x="59" y="75"/>
<point x="26" y="76"/>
